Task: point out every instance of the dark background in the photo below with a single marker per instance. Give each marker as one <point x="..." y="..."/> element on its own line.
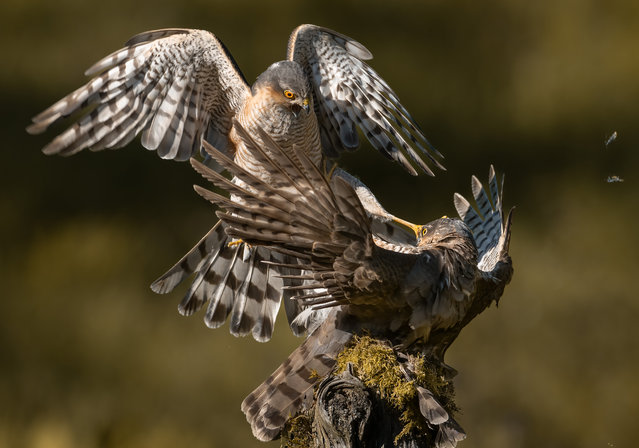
<point x="90" y="357"/>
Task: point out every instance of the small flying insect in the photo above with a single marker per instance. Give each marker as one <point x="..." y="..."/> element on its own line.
<point x="611" y="139"/>
<point x="614" y="179"/>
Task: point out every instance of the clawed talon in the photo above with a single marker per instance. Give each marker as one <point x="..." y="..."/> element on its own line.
<point x="328" y="171"/>
<point x="235" y="243"/>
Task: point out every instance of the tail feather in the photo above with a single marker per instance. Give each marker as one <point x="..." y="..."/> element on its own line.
<point x="504" y="241"/>
<point x="270" y="299"/>
<point x="290" y="387"/>
<point x="221" y="298"/>
<point x="222" y="286"/>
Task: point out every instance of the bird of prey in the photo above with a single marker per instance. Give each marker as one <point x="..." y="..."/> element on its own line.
<point x="419" y="297"/>
<point x="180" y="87"/>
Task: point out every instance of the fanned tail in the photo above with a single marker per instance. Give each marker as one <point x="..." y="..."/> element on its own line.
<point x="290" y="387"/>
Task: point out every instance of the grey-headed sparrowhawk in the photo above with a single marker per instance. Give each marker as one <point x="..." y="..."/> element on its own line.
<point x="179" y="87"/>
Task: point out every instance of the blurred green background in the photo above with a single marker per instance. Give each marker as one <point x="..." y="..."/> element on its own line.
<point x="90" y="357"/>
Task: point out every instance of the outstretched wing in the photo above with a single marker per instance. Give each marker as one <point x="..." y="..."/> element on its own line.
<point x="175" y="86"/>
<point x="349" y="94"/>
<point x="301" y="214"/>
<point x="231" y="279"/>
<point x="491" y="233"/>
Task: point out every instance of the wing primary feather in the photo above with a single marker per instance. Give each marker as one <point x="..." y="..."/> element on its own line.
<point x="172" y="86"/>
<point x="284" y="265"/>
<point x="348" y="92"/>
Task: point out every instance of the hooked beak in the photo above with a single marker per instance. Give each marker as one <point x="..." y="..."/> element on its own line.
<point x="296" y="108"/>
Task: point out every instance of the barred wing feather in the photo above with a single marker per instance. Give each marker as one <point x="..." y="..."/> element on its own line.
<point x="486" y="220"/>
<point x="349" y="94"/>
<point x="173" y="86"/>
<point x="233" y="280"/>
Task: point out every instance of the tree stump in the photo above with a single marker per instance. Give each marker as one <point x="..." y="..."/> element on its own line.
<point x="378" y="397"/>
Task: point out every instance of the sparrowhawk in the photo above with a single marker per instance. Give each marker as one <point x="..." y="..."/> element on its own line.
<point x="179" y="87"/>
<point x="417" y="296"/>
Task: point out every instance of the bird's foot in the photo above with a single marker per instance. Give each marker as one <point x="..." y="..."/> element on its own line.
<point x="329" y="167"/>
<point x="234" y="243"/>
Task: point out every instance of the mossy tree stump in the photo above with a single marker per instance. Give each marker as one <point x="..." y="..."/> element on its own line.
<point x="378" y="397"/>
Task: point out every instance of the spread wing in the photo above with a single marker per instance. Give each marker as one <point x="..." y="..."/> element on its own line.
<point x="175" y="86"/>
<point x="349" y="94"/>
<point x="321" y="224"/>
<point x="231" y="280"/>
<point x="491" y="232"/>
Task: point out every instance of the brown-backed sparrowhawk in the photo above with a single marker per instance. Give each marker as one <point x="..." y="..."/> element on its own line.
<point x="417" y="296"/>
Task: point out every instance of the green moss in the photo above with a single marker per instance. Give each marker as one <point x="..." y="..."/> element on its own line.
<point x="376" y="365"/>
<point x="298" y="432"/>
<point x="413" y="421"/>
<point x="431" y="376"/>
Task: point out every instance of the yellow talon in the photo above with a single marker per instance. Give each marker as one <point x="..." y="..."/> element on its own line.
<point x="327" y="171"/>
<point x="235" y="243"/>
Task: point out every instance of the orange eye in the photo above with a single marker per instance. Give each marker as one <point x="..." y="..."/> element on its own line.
<point x="288" y="94"/>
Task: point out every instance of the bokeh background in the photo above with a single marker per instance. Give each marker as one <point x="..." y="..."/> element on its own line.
<point x="90" y="357"/>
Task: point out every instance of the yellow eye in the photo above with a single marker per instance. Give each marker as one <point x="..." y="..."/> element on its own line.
<point x="288" y="94"/>
<point x="424" y="231"/>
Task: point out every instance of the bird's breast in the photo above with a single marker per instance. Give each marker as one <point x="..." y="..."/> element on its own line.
<point x="287" y="129"/>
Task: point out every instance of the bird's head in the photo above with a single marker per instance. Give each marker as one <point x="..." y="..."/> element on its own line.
<point x="443" y="230"/>
<point x="289" y="86"/>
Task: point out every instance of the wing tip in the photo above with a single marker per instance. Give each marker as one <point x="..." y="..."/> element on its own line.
<point x="35" y="128"/>
<point x="461" y="205"/>
<point x="491" y="173"/>
<point x="159" y="286"/>
<point x="165" y="284"/>
<point x="507" y="230"/>
<point x="352" y="46"/>
<point x="148" y="36"/>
